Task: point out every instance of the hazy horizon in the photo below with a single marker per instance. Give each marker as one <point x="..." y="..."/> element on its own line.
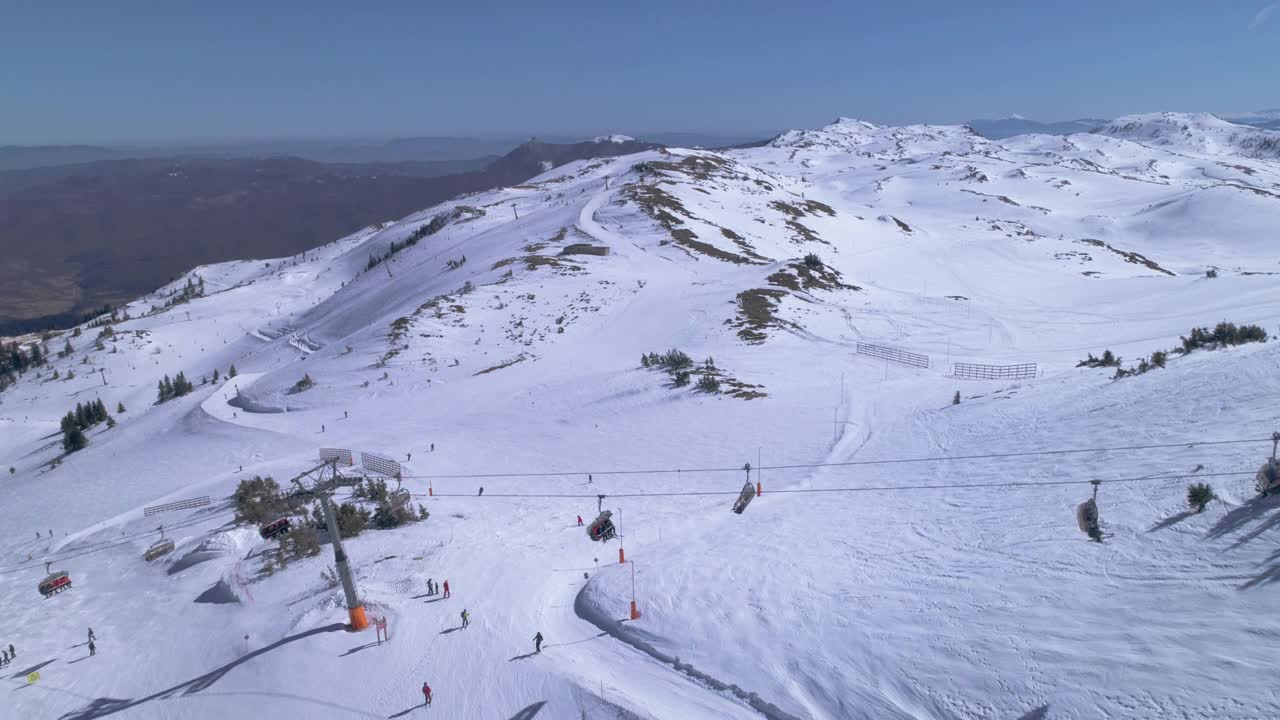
<point x="146" y="72"/>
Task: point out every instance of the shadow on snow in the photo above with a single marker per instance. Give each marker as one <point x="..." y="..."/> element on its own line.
<point x="102" y="707"/>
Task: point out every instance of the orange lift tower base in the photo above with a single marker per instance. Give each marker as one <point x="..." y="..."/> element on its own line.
<point x="322" y="489"/>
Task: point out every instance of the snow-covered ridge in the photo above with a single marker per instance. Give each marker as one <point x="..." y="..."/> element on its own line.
<point x="1195" y="132"/>
<point x="613" y="139"/>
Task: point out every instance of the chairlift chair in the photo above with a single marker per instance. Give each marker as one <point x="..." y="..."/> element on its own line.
<point x="274" y="528"/>
<point x="55" y="582"/>
<point x="1087" y="516"/>
<point x="744" y="498"/>
<point x="163" y="546"/>
<point x="601" y="529"/>
<point x="1268" y="478"/>
<point x="399" y="497"/>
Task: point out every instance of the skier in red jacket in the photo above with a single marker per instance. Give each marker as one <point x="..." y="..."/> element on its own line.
<point x="446" y="588"/>
<point x="426" y="693"/>
<point x="579" y="521"/>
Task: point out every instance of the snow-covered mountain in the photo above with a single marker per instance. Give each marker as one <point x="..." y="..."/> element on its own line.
<point x="1199" y="132"/>
<point x="496" y="340"/>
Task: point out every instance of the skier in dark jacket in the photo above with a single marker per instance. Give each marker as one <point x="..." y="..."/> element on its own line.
<point x="466" y="618"/>
<point x="93" y="649"/>
<point x="537" y="643"/>
<point x="91" y="636"/>
<point x="481" y="491"/>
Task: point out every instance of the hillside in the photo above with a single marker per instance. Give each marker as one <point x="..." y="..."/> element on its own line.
<point x="493" y="344"/>
<point x="76" y="237"/>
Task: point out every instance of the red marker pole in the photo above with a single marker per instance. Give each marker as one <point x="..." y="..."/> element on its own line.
<point x="635" y="611"/>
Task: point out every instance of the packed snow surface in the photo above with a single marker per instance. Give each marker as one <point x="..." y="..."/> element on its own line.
<point x="495" y="341"/>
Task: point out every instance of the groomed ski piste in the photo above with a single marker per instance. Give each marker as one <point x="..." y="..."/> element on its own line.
<point x="510" y="340"/>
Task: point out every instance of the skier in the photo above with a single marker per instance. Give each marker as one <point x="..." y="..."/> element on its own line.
<point x="322" y="428"/>
<point x="481" y="491"/>
<point x="426" y="693"/>
<point x="588" y="478"/>
<point x="433" y="447"/>
<point x="12" y="653"/>
<point x="537" y="643"/>
<point x="446" y="589"/>
<point x="466" y="618"/>
<point x="344" y="415"/>
<point x="410" y="457"/>
<point x="37" y="534"/>
<point x="429" y="590"/>
<point x="579" y="521"/>
<point x="93" y="649"/>
<point x="91" y="636"/>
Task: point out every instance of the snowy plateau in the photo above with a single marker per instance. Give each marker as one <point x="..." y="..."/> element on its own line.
<point x="506" y="330"/>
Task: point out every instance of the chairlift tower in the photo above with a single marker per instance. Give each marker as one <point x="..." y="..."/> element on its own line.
<point x="325" y="479"/>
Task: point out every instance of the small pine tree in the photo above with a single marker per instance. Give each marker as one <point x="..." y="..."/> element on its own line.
<point x="955" y="400"/>
<point x="644" y="361"/>
<point x="111" y="422"/>
<point x="422" y="511"/>
<point x="681" y="378"/>
<point x="13" y="470"/>
<point x="231" y="371"/>
<point x="1109" y="359"/>
<point x="215" y="374"/>
<point x="1199" y="495"/>
<point x="119" y="407"/>
<point x="708" y="384"/>
<point x="74" y="440"/>
<point x="1159" y="358"/>
<point x="1211" y="273"/>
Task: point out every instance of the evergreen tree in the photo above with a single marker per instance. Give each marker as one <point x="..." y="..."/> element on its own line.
<point x="956" y="400"/>
<point x="231" y="371"/>
<point x="74" y="440"/>
<point x="215" y="374"/>
<point x="119" y="407"/>
<point x="67" y="349"/>
<point x="1199" y="495"/>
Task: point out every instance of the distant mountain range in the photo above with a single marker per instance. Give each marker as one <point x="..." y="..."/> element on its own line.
<point x="1002" y="128"/>
<point x="427" y="149"/>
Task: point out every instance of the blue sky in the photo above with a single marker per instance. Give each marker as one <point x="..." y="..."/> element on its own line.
<point x="135" y="71"/>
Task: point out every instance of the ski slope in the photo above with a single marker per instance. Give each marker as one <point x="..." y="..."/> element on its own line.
<point x="509" y="337"/>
